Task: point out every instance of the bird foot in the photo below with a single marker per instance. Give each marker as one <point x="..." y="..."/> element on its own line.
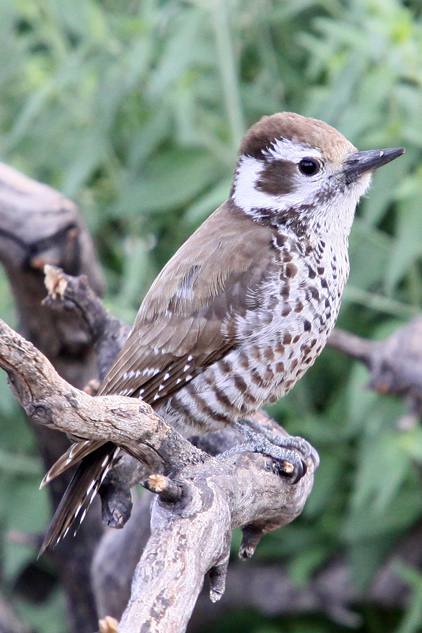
<point x="291" y="453"/>
<point x="251" y="429"/>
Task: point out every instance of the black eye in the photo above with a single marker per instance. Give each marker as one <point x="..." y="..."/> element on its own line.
<point x="309" y="166"/>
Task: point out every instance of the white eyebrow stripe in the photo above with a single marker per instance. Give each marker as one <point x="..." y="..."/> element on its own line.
<point x="284" y="149"/>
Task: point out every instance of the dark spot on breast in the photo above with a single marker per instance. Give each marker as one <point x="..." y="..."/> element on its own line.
<point x="285" y="291"/>
<point x="280" y="349"/>
<point x="286" y="310"/>
<point x="320" y="270"/>
<point x="307" y="325"/>
<point x="314" y="293"/>
<point x="225" y="366"/>
<point x="280" y="240"/>
<point x="243" y="360"/>
<point x="269" y="354"/>
<point x="268" y="375"/>
<point x="291" y="270"/>
<point x="256" y="377"/>
<point x="279" y="368"/>
<point x="299" y="307"/>
<point x="312" y="273"/>
<point x="287" y="339"/>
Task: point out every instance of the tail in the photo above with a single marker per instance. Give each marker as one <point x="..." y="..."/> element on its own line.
<point x="80" y="493"/>
<point x="72" y="456"/>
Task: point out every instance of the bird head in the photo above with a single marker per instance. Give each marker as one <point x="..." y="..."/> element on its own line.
<point x="297" y="171"/>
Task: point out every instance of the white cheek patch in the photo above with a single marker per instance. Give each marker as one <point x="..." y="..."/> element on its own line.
<point x="248" y="197"/>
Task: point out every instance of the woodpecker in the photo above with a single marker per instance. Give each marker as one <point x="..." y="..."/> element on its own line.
<point x="246" y="305"/>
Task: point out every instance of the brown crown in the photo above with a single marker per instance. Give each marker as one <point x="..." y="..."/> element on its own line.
<point x="288" y="125"/>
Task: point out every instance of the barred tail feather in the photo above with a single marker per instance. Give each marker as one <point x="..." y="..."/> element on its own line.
<point x="80" y="493"/>
<point x="72" y="456"/>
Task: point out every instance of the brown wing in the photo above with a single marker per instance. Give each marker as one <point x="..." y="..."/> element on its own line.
<point x="178" y="330"/>
<point x="186" y="320"/>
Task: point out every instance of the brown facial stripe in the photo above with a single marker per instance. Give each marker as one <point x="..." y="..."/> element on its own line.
<point x="277" y="178"/>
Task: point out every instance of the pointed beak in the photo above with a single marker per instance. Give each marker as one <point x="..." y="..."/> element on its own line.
<point x="362" y="162"/>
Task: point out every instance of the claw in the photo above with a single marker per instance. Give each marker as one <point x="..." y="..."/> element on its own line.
<point x="315" y="458"/>
<point x="297" y="469"/>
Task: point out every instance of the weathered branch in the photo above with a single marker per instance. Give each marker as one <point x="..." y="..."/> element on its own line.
<point x="190" y="537"/>
<point x="74" y="295"/>
<point x="395" y="364"/>
<point x="39" y="226"/>
<point x="49" y="400"/>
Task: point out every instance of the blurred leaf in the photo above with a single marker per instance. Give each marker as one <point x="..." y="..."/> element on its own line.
<point x="407" y="244"/>
<point x="411" y="623"/>
<point x="172" y="179"/>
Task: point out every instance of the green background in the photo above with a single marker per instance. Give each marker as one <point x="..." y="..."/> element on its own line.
<point x="135" y="110"/>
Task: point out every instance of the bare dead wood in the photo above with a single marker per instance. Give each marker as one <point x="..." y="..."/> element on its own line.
<point x="39" y="226"/>
<point x="70" y="294"/>
<point x="395" y="364"/>
<point x="190" y="537"/>
<point x="269" y="589"/>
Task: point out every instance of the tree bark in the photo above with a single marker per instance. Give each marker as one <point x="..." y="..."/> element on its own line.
<point x="39" y="226"/>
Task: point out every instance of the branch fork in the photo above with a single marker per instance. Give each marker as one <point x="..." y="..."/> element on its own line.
<point x="193" y="516"/>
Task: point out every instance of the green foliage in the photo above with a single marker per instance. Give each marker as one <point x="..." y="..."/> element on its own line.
<point x="135" y="110"/>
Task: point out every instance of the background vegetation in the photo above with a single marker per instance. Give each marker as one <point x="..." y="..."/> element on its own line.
<point x="135" y="109"/>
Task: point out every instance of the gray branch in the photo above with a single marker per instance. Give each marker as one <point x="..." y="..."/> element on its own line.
<point x="39" y="226"/>
<point x="394" y="364"/>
